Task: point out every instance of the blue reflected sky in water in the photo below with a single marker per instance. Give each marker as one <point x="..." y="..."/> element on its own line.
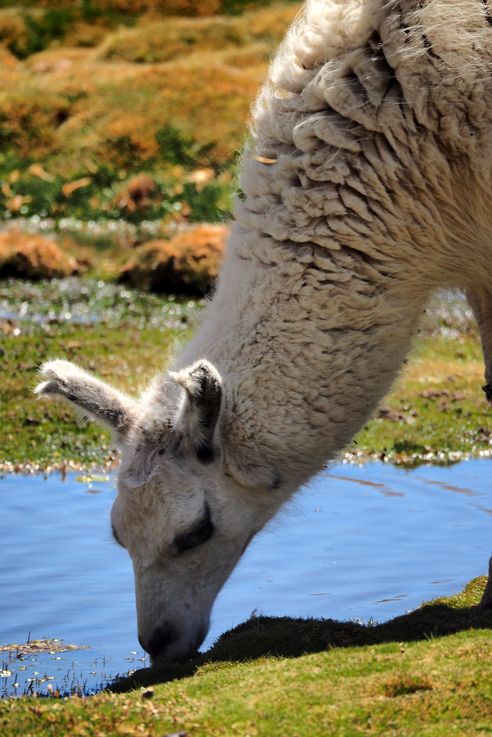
<point x="357" y="543"/>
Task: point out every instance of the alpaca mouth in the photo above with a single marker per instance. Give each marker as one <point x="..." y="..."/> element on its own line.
<point x="179" y="652"/>
<point x="157" y="661"/>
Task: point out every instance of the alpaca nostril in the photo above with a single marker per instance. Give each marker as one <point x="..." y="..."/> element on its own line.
<point x="162" y="637"/>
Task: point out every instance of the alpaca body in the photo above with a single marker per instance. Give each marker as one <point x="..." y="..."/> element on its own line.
<point x="366" y="185"/>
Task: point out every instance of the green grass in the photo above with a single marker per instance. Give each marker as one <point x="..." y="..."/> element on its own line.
<point x="436" y="413"/>
<point x="428" y="673"/>
<point x="45" y="435"/>
<point x="437" y="410"/>
<point x="128" y="344"/>
<point x="102" y="192"/>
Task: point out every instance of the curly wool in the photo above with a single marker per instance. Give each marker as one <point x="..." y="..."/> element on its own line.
<point x="369" y="109"/>
<point x="366" y="184"/>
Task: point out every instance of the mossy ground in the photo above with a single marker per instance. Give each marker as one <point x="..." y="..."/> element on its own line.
<point x="127" y="343"/>
<point x="437" y="411"/>
<point x="428" y="673"/>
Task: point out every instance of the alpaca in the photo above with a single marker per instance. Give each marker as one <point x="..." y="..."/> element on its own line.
<point x="366" y="184"/>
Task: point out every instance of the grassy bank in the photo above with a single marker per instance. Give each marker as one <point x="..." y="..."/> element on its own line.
<point x="123" y="335"/>
<point x="428" y="673"/>
<point x="436" y="412"/>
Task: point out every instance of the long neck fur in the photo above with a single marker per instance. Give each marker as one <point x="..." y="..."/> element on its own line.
<point x="364" y="206"/>
<point x="304" y="357"/>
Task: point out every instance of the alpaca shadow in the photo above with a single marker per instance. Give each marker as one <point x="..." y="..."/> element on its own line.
<point x="291" y="638"/>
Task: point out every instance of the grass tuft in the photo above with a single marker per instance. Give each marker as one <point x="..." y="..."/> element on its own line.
<point x="403" y="685"/>
<point x="27" y="256"/>
<point x="187" y="264"/>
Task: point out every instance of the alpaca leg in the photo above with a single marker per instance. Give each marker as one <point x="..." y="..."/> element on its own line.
<point x="486" y="602"/>
<point x="481" y="304"/>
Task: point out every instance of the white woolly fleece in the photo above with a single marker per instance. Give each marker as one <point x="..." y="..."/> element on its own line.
<point x="377" y="118"/>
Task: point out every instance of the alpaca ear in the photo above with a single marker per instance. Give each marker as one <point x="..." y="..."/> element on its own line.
<point x="199" y="412"/>
<point x="95" y="398"/>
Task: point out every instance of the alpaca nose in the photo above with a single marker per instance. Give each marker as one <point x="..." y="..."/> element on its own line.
<point x="161" y="638"/>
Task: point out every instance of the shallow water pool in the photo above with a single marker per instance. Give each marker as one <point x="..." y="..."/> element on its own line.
<point x="357" y="543"/>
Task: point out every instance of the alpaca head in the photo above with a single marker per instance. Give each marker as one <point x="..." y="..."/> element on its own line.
<point x="181" y="515"/>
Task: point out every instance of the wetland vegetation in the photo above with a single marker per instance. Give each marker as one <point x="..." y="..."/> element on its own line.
<point x="270" y="676"/>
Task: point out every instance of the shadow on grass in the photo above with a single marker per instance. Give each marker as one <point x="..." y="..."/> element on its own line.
<point x="290" y="638"/>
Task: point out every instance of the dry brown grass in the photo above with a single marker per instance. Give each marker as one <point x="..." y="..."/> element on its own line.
<point x="12" y="27"/>
<point x="135" y="7"/>
<point x="74" y="109"/>
<point x="185" y="37"/>
<point x="192" y="8"/>
<point x="114" y="113"/>
<point x="31" y="118"/>
<point x="33" y="257"/>
<point x="138" y="194"/>
<point x="187" y="264"/>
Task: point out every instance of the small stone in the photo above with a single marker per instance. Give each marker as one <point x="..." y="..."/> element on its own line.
<point x="148" y="693"/>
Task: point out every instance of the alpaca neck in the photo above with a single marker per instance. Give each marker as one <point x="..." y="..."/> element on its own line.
<point x="307" y="343"/>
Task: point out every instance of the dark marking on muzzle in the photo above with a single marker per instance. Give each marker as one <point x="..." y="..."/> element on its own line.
<point x="163" y="636"/>
<point x="202" y="633"/>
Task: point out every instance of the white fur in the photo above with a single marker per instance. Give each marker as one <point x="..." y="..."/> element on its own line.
<point x="367" y="184"/>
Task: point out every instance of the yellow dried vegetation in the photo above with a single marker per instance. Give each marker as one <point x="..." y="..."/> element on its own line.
<point x="186" y="264"/>
<point x="24" y="255"/>
<point x="75" y="109"/>
<point x="135" y="7"/>
<point x="138" y="194"/>
<point x="30" y="119"/>
<point x="12" y="26"/>
<point x="168" y="40"/>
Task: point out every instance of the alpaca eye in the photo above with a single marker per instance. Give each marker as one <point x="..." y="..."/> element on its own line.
<point x="198" y="534"/>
